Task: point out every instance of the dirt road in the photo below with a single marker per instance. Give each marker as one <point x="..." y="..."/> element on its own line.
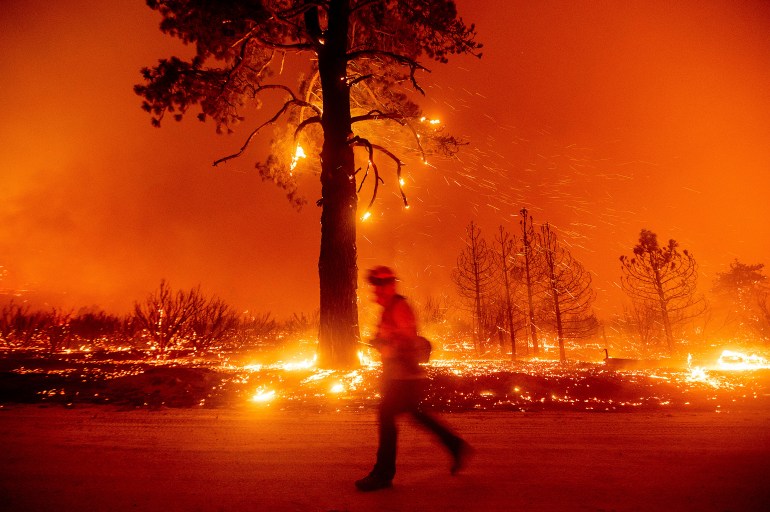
<point x="260" y="459"/>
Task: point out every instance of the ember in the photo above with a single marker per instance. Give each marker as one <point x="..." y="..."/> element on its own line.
<point x="734" y="380"/>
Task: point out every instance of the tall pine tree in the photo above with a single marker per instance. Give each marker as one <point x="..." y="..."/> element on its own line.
<point x="358" y="54"/>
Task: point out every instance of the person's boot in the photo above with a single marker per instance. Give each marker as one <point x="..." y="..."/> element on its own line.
<point x="372" y="482"/>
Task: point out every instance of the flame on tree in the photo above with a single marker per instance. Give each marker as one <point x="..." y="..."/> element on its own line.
<point x="359" y="56"/>
<point x="663" y="280"/>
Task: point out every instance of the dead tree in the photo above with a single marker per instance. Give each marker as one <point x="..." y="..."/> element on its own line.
<point x="211" y="321"/>
<point x="474" y="277"/>
<point x="511" y="275"/>
<point x="568" y="291"/>
<point x="745" y="292"/>
<point x="358" y="56"/>
<point x="20" y="327"/>
<point x="527" y="242"/>
<point x="165" y="315"/>
<point x="56" y="330"/>
<point x="663" y="279"/>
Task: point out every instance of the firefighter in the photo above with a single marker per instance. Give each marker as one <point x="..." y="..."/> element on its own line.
<point x="404" y="382"/>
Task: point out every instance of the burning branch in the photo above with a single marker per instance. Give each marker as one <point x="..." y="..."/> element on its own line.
<point x="375" y="115"/>
<point x="359" y="141"/>
<point x="294" y="101"/>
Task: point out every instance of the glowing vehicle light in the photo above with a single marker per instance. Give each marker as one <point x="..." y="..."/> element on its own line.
<point x="730" y="360"/>
<point x="434" y="121"/>
<point x="366" y="215"/>
<point x="263" y="395"/>
<point x="299" y="153"/>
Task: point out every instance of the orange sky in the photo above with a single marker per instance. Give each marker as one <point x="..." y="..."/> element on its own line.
<point x="601" y="117"/>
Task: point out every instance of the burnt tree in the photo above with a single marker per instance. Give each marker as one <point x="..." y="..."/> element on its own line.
<point x="474" y="276"/>
<point x="511" y="275"/>
<point x="568" y="291"/>
<point x="744" y="289"/>
<point x="357" y="53"/>
<point x="663" y="279"/>
<point x="527" y="242"/>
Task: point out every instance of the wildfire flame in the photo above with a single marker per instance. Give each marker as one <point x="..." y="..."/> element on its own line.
<point x="364" y="359"/>
<point x="730" y="360"/>
<point x="430" y="121"/>
<point x="263" y="395"/>
<point x="299" y="153"/>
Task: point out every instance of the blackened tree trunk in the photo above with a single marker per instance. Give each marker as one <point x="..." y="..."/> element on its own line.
<point x="506" y="267"/>
<point x="474" y="277"/>
<point x="363" y="51"/>
<point x="337" y="270"/>
<point x="526" y="241"/>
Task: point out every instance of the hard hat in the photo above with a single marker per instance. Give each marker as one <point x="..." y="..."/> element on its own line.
<point x="381" y="275"/>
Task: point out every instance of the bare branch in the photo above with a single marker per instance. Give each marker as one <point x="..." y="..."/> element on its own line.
<point x="364" y="4"/>
<point x="358" y="79"/>
<point x="292" y="102"/>
<point x="401" y="59"/>
<point x="285" y="46"/>
<point x="358" y="141"/>
<point x="375" y="115"/>
<point x="304" y="124"/>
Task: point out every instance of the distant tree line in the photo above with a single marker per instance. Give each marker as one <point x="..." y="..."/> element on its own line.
<point x="520" y="286"/>
<point x="667" y="312"/>
<point x="166" y="321"/>
<point x="523" y="288"/>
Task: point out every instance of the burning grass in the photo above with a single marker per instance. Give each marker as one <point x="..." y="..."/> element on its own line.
<point x="130" y="379"/>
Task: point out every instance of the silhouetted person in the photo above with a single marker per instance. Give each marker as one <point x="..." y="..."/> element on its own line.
<point x="404" y="383"/>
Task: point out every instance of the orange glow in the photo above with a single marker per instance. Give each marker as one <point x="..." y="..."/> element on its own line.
<point x="263" y="395"/>
<point x="620" y="125"/>
<point x="731" y="360"/>
<point x="298" y="154"/>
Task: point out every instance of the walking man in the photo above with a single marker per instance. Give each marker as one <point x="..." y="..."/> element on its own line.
<point x="404" y="383"/>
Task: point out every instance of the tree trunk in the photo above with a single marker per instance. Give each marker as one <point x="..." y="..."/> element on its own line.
<point x="664" y="311"/>
<point x="505" y="253"/>
<point x="559" y="327"/>
<point x="337" y="269"/>
<point x="527" y="244"/>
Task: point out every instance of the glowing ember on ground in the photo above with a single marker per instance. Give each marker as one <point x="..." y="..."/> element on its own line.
<point x="456" y="385"/>
<point x="263" y="395"/>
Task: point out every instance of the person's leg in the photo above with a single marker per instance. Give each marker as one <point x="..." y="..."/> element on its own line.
<point x="457" y="447"/>
<point x="447" y="437"/>
<point x="385" y="467"/>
